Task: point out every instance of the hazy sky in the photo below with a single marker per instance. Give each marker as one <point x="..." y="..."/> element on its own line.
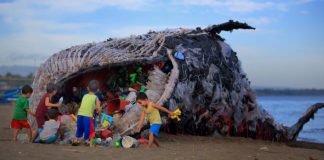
<point x="286" y="49"/>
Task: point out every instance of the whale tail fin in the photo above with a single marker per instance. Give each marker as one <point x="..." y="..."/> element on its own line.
<point x="295" y="129"/>
<point x="227" y="26"/>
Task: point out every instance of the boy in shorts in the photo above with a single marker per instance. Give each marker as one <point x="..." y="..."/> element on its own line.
<point x="19" y="119"/>
<point x="151" y="112"/>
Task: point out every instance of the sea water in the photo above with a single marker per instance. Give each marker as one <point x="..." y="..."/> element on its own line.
<point x="288" y="109"/>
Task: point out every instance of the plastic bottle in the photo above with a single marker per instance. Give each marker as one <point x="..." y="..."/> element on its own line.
<point x="22" y="137"/>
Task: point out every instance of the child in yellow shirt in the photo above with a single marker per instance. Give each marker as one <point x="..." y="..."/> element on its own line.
<point x="151" y="110"/>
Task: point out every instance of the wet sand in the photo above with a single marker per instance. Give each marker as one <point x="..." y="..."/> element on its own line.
<point x="177" y="147"/>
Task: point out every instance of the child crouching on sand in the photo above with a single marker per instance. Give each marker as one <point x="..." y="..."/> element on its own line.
<point x="52" y="128"/>
<point x="151" y="110"/>
<point x="68" y="125"/>
<point x="85" y="122"/>
<point x="19" y="119"/>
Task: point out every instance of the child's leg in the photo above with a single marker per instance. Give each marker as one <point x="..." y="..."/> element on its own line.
<point x="35" y="134"/>
<point x="156" y="142"/>
<point x="51" y="139"/>
<point x="151" y="139"/>
<point x="154" y="130"/>
<point x="80" y="127"/>
<point x="86" y="125"/>
<point x="15" y="134"/>
<point x="29" y="133"/>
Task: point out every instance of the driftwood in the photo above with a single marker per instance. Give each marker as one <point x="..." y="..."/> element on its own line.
<point x="208" y="85"/>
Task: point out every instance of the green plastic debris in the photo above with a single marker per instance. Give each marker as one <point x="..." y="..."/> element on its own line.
<point x="139" y="69"/>
<point x="132" y="77"/>
<point x="142" y="89"/>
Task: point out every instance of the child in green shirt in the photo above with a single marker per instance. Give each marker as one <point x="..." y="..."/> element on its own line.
<point x="19" y="119"/>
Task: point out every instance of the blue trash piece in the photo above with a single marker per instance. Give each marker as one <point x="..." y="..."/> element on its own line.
<point x="105" y="117"/>
<point x="179" y="55"/>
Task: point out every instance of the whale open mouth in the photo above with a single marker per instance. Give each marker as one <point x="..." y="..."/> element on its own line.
<point x="156" y="77"/>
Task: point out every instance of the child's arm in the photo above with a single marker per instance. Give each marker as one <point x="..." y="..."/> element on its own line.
<point x="140" y="122"/>
<point x="98" y="107"/>
<point x="161" y="108"/>
<point x="49" y="104"/>
<point x="30" y="112"/>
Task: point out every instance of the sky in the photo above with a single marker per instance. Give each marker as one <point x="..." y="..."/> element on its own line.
<point x="285" y="50"/>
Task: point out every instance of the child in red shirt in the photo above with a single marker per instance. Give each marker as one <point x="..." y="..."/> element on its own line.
<point x="43" y="106"/>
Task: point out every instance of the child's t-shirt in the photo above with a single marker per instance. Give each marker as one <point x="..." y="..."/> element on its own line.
<point x="22" y="104"/>
<point x="88" y="105"/>
<point x="153" y="115"/>
<point x="50" y="129"/>
<point x="42" y="109"/>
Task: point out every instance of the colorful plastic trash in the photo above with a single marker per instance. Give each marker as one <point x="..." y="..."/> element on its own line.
<point x="139" y="69"/>
<point x="179" y="55"/>
<point x="132" y="77"/>
<point x="176" y="114"/>
<point x="129" y="142"/>
<point x="105" y="134"/>
<point x="117" y="144"/>
<point x="142" y="89"/>
<point x="142" y="141"/>
<point x="106" y="120"/>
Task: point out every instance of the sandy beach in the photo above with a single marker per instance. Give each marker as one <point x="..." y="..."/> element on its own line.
<point x="175" y="147"/>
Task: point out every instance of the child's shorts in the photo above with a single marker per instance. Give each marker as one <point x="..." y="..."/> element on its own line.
<point x="19" y="124"/>
<point x="49" y="140"/>
<point x="155" y="128"/>
<point x="85" y="127"/>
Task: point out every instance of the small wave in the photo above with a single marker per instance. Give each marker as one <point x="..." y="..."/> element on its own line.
<point x="313" y="130"/>
<point x="318" y="129"/>
<point x="309" y="139"/>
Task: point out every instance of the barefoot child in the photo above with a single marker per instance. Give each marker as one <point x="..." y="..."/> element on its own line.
<point x="19" y="119"/>
<point x="68" y="125"/>
<point x="85" y="123"/>
<point x="43" y="106"/>
<point x="151" y="110"/>
<point x="52" y="128"/>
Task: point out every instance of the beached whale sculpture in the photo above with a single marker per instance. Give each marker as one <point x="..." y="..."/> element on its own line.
<point x="206" y="80"/>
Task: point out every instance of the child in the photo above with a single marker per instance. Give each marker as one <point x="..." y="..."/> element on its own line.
<point x="151" y="110"/>
<point x="68" y="125"/>
<point x="51" y="129"/>
<point x="85" y="123"/>
<point x="45" y="104"/>
<point x="117" y="114"/>
<point x="19" y="119"/>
